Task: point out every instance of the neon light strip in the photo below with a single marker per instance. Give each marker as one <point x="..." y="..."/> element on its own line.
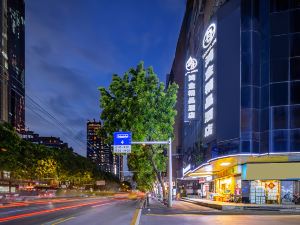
<point x="243" y="154"/>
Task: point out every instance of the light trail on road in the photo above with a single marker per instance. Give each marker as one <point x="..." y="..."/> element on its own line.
<point x="9" y="218"/>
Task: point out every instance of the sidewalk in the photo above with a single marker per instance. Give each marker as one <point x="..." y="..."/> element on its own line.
<point x="228" y="206"/>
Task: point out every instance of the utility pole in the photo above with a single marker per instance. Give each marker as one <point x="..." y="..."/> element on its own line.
<point x="170" y="174"/>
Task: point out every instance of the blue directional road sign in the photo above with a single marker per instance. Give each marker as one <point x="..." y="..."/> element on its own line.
<point x="122" y="142"/>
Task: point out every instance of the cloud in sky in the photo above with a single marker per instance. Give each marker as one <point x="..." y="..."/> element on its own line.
<point x="74" y="46"/>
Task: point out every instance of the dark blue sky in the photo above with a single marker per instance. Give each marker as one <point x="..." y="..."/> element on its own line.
<point x="74" y="46"/>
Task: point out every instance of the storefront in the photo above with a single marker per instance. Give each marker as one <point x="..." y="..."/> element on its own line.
<point x="228" y="185"/>
<point x="265" y="192"/>
<point x="271" y="183"/>
<point x="206" y="186"/>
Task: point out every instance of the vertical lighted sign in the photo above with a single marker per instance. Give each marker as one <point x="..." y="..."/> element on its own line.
<point x="191" y="78"/>
<point x="209" y="55"/>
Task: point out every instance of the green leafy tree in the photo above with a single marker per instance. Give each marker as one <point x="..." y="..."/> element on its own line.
<point x="46" y="169"/>
<point x="138" y="102"/>
<point x="30" y="161"/>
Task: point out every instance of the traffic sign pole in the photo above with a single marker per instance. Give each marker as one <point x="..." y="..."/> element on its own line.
<point x="170" y="174"/>
<point x="122" y="144"/>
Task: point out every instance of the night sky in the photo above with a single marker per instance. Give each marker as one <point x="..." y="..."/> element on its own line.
<point x="74" y="46"/>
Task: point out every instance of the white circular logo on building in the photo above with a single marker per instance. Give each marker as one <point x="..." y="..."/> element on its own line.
<point x="209" y="35"/>
<point x="191" y="64"/>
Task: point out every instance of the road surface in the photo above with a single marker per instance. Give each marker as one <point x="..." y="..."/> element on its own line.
<point x="86" y="211"/>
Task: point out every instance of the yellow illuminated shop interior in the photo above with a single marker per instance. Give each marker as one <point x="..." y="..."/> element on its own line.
<point x="227" y="188"/>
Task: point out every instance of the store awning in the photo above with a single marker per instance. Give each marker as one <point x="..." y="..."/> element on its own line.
<point x="216" y="165"/>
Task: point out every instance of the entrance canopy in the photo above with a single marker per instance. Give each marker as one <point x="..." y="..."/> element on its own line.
<point x="216" y="165"/>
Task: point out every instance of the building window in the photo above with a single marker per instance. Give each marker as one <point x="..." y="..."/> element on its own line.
<point x="279" y="5"/>
<point x="279" y="94"/>
<point x="264" y="142"/>
<point x="279" y="70"/>
<point x="280" y="141"/>
<point x="246" y="97"/>
<point x="264" y="121"/>
<point x="295" y="92"/>
<point x="295" y="68"/>
<point x="294" y="21"/>
<point x="280" y="117"/>
<point x="279" y="23"/>
<point x="265" y="96"/>
<point x="295" y="117"/>
<point x="295" y="140"/>
<point x="295" y="4"/>
<point x="295" y="45"/>
<point x="279" y="47"/>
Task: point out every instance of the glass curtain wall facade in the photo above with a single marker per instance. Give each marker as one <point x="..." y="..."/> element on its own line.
<point x="257" y="101"/>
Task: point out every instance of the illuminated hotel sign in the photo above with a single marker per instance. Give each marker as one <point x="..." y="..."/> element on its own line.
<point x="209" y="55"/>
<point x="190" y="80"/>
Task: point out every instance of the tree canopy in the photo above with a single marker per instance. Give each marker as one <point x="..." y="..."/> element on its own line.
<point x="139" y="103"/>
<point x="31" y="161"/>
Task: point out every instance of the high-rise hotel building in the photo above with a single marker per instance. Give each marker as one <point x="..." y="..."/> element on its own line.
<point x="99" y="152"/>
<point x="237" y="64"/>
<point x="12" y="63"/>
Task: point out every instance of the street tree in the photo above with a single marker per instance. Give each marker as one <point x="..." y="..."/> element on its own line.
<point x="139" y="103"/>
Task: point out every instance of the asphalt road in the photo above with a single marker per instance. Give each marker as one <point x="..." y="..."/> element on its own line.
<point x="86" y="211"/>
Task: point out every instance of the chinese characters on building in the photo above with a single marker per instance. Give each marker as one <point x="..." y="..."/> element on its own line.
<point x="208" y="44"/>
<point x="191" y="67"/>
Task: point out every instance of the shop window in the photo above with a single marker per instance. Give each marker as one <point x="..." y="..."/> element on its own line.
<point x="294" y="21"/>
<point x="279" y="23"/>
<point x="279" y="94"/>
<point x="295" y="45"/>
<point x="287" y="192"/>
<point x="295" y="117"/>
<point x="280" y="117"/>
<point x="280" y="141"/>
<point x="295" y="140"/>
<point x="295" y="92"/>
<point x="279" y="70"/>
<point x="295" y="68"/>
<point x="262" y="192"/>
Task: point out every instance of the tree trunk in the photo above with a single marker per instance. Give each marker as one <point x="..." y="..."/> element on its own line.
<point x="158" y="174"/>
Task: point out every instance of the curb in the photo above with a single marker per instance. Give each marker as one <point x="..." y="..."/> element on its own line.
<point x="213" y="206"/>
<point x="137" y="214"/>
<point x="242" y="208"/>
